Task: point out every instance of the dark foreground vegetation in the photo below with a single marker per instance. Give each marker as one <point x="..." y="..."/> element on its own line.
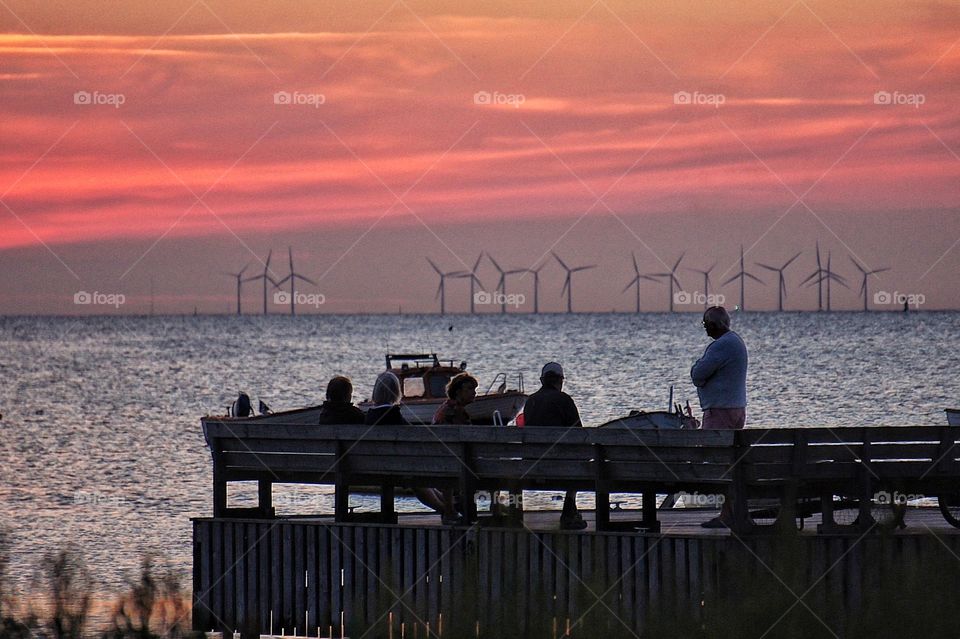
<point x="779" y="599"/>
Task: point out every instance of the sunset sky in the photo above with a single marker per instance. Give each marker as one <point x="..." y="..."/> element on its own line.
<point x="172" y="141"/>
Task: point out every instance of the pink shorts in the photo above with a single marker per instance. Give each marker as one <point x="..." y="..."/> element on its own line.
<point x="724" y="418"/>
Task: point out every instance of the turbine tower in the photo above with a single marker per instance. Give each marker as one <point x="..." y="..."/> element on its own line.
<point x="782" y="288"/>
<point x="292" y="277"/>
<point x="863" y="286"/>
<point x="240" y="282"/>
<point x="442" y="290"/>
<point x="536" y="286"/>
<point x="829" y="276"/>
<point x="706" y="282"/>
<point x="568" y="282"/>
<point x="819" y="276"/>
<point x="742" y="276"/>
<point x="474" y="280"/>
<point x="672" y="278"/>
<point x="636" y="280"/>
<point x="266" y="277"/>
<point x="502" y="282"/>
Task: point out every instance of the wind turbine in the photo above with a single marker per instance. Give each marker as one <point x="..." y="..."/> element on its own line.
<point x="742" y="276"/>
<point x="706" y="282"/>
<point x="636" y="279"/>
<point x="782" y="288"/>
<point x="568" y="282"/>
<point x="240" y="282"/>
<point x="828" y="277"/>
<point x="863" y="286"/>
<point x="266" y="277"/>
<point x="672" y="278"/>
<point x="819" y="275"/>
<point x="472" y="275"/>
<point x="442" y="290"/>
<point x="502" y="282"/>
<point x="536" y="286"/>
<point x="292" y="277"/>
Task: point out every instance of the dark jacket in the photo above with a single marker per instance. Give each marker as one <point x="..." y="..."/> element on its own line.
<point x="386" y="416"/>
<point x="550" y="407"/>
<point x="340" y="413"/>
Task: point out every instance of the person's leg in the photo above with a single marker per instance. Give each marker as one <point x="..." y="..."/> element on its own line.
<point x="430" y="498"/>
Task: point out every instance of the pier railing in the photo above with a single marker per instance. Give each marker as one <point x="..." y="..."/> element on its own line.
<point x="792" y="465"/>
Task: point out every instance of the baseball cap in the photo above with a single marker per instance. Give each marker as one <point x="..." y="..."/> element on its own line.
<point x="551" y="368"/>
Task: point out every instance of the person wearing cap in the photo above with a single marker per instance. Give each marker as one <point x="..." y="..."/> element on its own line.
<point x="720" y="376"/>
<point x="550" y="406"/>
<point x="339" y="408"/>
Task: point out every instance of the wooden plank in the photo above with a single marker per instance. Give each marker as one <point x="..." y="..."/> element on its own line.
<point x="336" y="572"/>
<point x="432" y="550"/>
<point x="495" y="560"/>
<point x="350" y="568"/>
<point x="239" y="542"/>
<point x="312" y="577"/>
<point x="325" y="606"/>
<point x="202" y="571"/>
<point x="374" y="573"/>
<point x="228" y="611"/>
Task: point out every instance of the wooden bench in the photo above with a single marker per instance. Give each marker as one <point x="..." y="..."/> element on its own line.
<point x="788" y="464"/>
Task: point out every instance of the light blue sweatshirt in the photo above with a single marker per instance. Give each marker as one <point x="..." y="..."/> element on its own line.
<point x="721" y="374"/>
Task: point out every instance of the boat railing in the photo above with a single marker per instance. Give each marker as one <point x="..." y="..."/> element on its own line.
<point x="501" y="379"/>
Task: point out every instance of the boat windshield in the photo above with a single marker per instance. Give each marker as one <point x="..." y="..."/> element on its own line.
<point x="413" y="387"/>
<point x="438" y="384"/>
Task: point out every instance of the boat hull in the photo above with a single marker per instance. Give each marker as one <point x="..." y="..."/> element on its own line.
<point x="654" y="420"/>
<point x="953" y="416"/>
<point x="481" y="411"/>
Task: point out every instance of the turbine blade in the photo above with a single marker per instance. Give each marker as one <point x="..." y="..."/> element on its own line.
<point x="562" y="263"/>
<point x="566" y="285"/>
<point x="305" y="279"/>
<point x="732" y="279"/>
<point x="754" y="278"/>
<point x="636" y="269"/>
<point x="818" y="255"/>
<point x="494" y="262"/>
<point x="791" y="260"/>
<point x="680" y="259"/>
<point x="859" y="268"/>
<point x="476" y="264"/>
<point x="632" y="282"/>
<point x="878" y="270"/>
<point x="769" y="268"/>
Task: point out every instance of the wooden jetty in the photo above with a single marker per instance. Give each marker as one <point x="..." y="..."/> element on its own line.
<point x="401" y="574"/>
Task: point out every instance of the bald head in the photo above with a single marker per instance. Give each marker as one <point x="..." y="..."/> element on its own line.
<point x="716" y="321"/>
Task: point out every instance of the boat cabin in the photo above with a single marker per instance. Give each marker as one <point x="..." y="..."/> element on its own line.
<point x="423" y="376"/>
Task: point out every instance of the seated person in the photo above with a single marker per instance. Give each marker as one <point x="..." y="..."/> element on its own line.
<point x="338" y="409"/>
<point x="550" y="406"/>
<point x="386" y="412"/>
<point x="461" y="391"/>
<point x="386" y="402"/>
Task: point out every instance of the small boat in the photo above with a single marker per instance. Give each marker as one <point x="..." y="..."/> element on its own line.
<point x="953" y="416"/>
<point x="423" y="383"/>
<point x="656" y="420"/>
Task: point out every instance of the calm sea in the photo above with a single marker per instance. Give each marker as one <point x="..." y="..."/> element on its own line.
<point x="100" y="442"/>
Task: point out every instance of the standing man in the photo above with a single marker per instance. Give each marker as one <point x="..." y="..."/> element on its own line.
<point x="550" y="406"/>
<point x="720" y="376"/>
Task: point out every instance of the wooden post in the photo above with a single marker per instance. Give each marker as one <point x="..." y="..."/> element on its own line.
<point x="265" y="498"/>
<point x="738" y="489"/>
<point x="649" y="523"/>
<point x="219" y="481"/>
<point x="387" y="513"/>
<point x="467" y="486"/>
<point x="341" y="498"/>
<point x="602" y="492"/>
